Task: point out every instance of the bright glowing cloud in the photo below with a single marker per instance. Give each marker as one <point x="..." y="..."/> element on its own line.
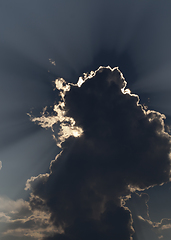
<point x="67" y="126"/>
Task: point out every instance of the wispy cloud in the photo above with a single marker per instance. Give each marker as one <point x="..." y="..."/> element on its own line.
<point x="18" y="220"/>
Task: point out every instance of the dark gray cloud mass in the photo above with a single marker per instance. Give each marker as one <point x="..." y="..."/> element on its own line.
<point x="123" y="148"/>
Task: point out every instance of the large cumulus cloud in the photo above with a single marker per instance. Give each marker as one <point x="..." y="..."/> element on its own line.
<point x="111" y="147"/>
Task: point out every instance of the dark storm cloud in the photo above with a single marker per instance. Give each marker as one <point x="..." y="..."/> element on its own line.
<point x="122" y="148"/>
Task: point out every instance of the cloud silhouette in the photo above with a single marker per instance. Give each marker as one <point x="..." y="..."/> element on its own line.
<point x="110" y="147"/>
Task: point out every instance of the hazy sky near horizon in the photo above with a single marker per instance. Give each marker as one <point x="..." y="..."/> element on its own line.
<point x="45" y="40"/>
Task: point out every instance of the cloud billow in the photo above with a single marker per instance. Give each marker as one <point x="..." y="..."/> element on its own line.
<point x="111" y="147"/>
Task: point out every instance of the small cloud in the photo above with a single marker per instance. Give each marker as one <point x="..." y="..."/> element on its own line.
<point x="52" y="62"/>
<point x="0" y="165"/>
<point x="17" y="219"/>
<point x="8" y="205"/>
<point x="160" y="236"/>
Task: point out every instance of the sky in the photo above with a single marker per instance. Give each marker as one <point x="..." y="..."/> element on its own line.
<point x="85" y="120"/>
